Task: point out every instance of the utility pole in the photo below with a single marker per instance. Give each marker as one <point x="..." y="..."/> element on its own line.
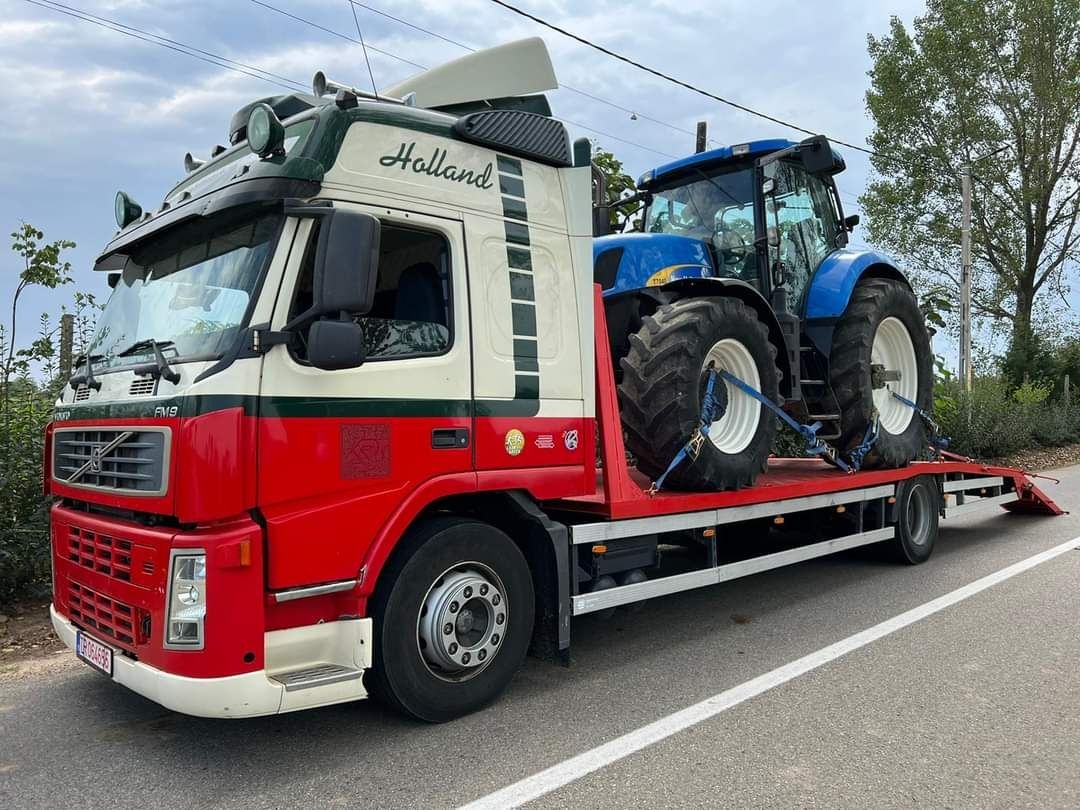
<point x="965" y="279"/>
<point x="67" y="340"/>
<point x="702" y="139"/>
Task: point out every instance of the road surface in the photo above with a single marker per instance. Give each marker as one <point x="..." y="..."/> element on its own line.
<point x="976" y="705"/>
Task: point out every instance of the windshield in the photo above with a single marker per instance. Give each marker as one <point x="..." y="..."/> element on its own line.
<point x="188" y="290"/>
<point x="717" y="208"/>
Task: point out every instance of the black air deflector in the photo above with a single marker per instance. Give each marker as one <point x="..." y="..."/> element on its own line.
<point x="520" y="133"/>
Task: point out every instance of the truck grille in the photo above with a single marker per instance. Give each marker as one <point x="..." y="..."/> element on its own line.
<point x="100" y="552"/>
<point x="132" y="460"/>
<point x="107" y="617"/>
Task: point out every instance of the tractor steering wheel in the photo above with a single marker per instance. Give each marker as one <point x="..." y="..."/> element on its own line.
<point x="730" y="246"/>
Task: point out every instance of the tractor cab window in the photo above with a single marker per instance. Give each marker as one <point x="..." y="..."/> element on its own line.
<point x="803" y="209"/>
<point x="410" y="316"/>
<point x="717" y="209"/>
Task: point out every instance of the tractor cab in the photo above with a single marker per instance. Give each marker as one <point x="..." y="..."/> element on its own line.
<point x="766" y="213"/>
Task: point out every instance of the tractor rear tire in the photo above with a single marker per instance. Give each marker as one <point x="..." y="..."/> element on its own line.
<point x="663" y="381"/>
<point x="882" y="325"/>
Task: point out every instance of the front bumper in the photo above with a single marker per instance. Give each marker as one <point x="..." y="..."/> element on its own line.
<point x="251" y="694"/>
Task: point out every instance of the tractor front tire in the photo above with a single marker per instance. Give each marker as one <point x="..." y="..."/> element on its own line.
<point x="663" y="382"/>
<point x="880" y="336"/>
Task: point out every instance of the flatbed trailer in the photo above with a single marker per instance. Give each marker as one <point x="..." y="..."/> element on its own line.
<point x="828" y="511"/>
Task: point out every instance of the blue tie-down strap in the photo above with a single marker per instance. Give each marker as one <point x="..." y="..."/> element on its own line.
<point x="701" y="433"/>
<point x="814" y="445"/>
<point x="937" y="441"/>
<point x="858" y="455"/>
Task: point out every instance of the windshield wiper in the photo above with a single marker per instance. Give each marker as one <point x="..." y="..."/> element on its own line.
<point x="160" y="366"/>
<point x="143" y="345"/>
<point x="87" y="378"/>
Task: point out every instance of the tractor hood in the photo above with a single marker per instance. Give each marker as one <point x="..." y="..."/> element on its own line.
<point x="630" y="261"/>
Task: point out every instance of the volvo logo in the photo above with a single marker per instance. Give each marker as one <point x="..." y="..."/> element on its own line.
<point x="97" y="455"/>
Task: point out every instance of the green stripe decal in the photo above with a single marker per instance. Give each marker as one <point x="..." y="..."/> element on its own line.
<point x="517" y="234"/>
<point x="521" y="287"/>
<point x="522" y="293"/>
<point x="509" y="165"/>
<point x="512" y="186"/>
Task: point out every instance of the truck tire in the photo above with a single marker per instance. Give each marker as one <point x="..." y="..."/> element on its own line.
<point x="882" y="326"/>
<point x="452" y="619"/>
<point x="664" y="376"/>
<point x="918" y="508"/>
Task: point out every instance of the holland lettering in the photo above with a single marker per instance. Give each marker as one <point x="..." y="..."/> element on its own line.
<point x="436" y="166"/>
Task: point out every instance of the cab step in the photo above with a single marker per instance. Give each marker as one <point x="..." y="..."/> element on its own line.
<point x="316" y="675"/>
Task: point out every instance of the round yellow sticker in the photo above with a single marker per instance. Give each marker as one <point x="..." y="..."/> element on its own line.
<point x="514" y="442"/>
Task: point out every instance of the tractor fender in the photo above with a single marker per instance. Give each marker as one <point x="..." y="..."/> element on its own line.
<point x="748" y="294"/>
<point x="830" y="289"/>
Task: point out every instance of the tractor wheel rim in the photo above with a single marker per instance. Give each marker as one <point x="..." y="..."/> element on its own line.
<point x="894" y="350"/>
<point x="462" y="622"/>
<point x="735" y="429"/>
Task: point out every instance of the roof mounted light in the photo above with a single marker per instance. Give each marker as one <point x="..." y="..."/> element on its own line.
<point x="265" y="133"/>
<point x="191" y="163"/>
<point x="740" y="149"/>
<point x="126" y="209"/>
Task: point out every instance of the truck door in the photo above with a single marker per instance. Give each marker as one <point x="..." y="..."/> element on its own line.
<point x="341" y="451"/>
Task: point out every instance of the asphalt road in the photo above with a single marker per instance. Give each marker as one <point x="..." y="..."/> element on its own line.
<point x="975" y="706"/>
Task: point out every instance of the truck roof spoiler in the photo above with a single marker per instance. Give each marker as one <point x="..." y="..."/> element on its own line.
<point x="517" y="68"/>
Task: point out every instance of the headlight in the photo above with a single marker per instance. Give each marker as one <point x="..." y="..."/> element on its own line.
<point x="187" y="600"/>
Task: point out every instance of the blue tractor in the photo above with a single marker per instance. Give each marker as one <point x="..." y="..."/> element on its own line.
<point x="740" y="265"/>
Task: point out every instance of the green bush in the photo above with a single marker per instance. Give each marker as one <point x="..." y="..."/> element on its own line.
<point x="24" y="517"/>
<point x="994" y="420"/>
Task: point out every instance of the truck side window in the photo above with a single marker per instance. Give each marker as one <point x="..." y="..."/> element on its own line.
<point x="410" y="316"/>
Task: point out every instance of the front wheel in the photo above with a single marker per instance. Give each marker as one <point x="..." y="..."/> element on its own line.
<point x="880" y="349"/>
<point x="664" y="380"/>
<point x="452" y="620"/>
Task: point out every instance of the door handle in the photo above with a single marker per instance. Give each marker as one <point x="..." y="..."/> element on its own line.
<point x="449" y="438"/>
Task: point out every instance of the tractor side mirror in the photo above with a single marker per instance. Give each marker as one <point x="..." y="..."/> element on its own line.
<point x="817" y="155"/>
<point x="601" y="220"/>
<point x="851" y="221"/>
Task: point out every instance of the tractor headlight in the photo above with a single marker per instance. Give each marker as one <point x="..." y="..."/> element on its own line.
<point x="187" y="600"/>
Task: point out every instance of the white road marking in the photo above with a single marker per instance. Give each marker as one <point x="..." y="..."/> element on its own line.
<point x="555" y="777"/>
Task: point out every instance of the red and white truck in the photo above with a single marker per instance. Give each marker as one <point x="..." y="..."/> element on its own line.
<point x="349" y="421"/>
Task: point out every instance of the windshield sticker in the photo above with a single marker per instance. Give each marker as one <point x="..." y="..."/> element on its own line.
<point x="436" y="166"/>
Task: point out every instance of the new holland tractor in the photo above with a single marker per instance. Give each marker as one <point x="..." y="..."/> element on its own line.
<point x="737" y="290"/>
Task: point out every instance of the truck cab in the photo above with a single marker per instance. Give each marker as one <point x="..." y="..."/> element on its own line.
<point x="358" y="311"/>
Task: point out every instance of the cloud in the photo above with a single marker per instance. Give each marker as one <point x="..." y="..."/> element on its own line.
<point x="91" y="110"/>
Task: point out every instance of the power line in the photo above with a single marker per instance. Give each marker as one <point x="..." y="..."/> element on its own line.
<point x="391" y="55"/>
<point x="667" y="77"/>
<point x="562" y="85"/>
<point x="171" y="44"/>
<point x="360" y="34"/>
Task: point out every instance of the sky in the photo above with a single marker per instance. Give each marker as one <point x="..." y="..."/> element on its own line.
<point x="90" y="111"/>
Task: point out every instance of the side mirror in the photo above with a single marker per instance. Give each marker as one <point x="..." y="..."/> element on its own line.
<point x="601" y="220"/>
<point x="336" y="345"/>
<point x="346" y="263"/>
<point x="851" y="221"/>
<point x="768" y="186"/>
<point x="817" y="155"/>
<point x="113" y="279"/>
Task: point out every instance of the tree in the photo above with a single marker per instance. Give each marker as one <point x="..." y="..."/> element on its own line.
<point x="972" y="77"/>
<point x="619" y="183"/>
<point x="41" y="267"/>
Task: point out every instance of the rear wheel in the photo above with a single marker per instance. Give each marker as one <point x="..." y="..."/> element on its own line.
<point x="881" y="348"/>
<point x="452" y="621"/>
<point x="663" y="383"/>
<point x="918" y="508"/>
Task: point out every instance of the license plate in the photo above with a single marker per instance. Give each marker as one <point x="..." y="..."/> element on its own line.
<point x="93" y="652"/>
